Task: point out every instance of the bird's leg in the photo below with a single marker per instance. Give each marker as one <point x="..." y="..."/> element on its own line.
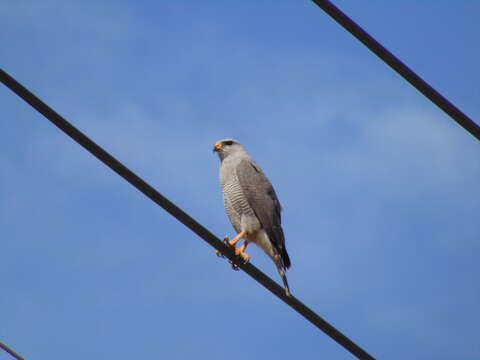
<point x="226" y="241"/>
<point x="232" y="243"/>
<point x="241" y="251"/>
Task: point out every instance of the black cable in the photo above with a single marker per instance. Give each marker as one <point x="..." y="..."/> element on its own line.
<point x="10" y="351"/>
<point x="402" y="69"/>
<point x="180" y="215"/>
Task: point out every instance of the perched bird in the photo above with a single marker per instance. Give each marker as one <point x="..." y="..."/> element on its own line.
<point x="251" y="205"/>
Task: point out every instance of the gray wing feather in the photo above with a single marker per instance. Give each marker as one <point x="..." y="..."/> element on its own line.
<point x="263" y="200"/>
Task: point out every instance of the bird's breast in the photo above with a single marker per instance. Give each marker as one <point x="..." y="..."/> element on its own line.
<point x="239" y="211"/>
<point x="234" y="196"/>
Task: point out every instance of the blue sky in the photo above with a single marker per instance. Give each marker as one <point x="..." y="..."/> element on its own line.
<point x="379" y="187"/>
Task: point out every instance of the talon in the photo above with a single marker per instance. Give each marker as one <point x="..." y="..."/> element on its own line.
<point x="240" y="252"/>
<point x="234" y="267"/>
<point x="226" y="242"/>
<point x="245" y="257"/>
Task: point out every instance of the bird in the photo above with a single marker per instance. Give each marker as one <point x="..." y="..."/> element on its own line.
<point x="251" y="205"/>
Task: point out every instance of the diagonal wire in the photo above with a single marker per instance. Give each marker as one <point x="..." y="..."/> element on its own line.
<point x="402" y="69"/>
<point x="180" y="215"/>
<point x="10" y="351"/>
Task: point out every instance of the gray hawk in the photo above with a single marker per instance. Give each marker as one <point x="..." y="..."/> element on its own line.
<point x="251" y="205"/>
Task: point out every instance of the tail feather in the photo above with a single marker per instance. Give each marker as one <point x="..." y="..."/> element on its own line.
<point x="276" y="250"/>
<point x="280" y="263"/>
<point x="285" y="258"/>
<point x="281" y="271"/>
<point x="277" y="238"/>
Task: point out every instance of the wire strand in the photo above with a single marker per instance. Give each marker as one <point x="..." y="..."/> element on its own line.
<point x="397" y="65"/>
<point x="10" y="351"/>
<point x="180" y="215"/>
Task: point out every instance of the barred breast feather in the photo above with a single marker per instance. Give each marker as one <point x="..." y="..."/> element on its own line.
<point x="236" y="203"/>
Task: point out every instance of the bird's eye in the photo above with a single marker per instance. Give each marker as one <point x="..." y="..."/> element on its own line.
<point x="228" y="142"/>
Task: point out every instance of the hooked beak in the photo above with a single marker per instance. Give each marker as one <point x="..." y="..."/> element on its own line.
<point x="217" y="147"/>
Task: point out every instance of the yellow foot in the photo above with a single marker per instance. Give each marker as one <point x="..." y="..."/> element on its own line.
<point x="229" y="243"/>
<point x="226" y="240"/>
<point x="240" y="252"/>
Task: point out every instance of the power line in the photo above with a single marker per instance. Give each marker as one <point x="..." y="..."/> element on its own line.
<point x="402" y="69"/>
<point x="10" y="351"/>
<point x="180" y="215"/>
<point x="390" y="59"/>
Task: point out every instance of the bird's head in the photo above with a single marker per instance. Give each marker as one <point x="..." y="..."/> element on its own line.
<point x="226" y="147"/>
